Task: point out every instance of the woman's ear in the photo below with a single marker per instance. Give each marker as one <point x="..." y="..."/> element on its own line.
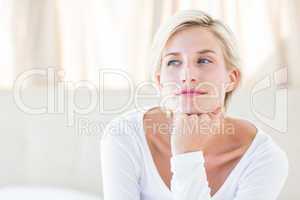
<point x="233" y="79"/>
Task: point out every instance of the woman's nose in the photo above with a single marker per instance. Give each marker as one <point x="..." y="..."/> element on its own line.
<point x="188" y="76"/>
<point x="192" y="80"/>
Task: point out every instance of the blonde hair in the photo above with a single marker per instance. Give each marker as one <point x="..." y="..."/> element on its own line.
<point x="190" y="18"/>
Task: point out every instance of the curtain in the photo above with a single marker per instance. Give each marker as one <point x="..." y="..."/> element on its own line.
<point x="80" y="37"/>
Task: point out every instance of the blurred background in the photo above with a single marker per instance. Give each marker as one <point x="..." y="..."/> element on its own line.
<point x="55" y="102"/>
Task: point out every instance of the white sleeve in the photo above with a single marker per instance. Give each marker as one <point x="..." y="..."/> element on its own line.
<point x="189" y="181"/>
<point x="119" y="162"/>
<point x="262" y="181"/>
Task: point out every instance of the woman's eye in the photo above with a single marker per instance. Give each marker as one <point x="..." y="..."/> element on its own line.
<point x="173" y="62"/>
<point x="204" y="61"/>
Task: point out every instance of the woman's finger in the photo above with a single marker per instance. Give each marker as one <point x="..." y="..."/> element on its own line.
<point x="204" y="118"/>
<point x="216" y="113"/>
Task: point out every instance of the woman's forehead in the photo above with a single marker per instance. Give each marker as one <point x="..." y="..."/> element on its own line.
<point x="192" y="40"/>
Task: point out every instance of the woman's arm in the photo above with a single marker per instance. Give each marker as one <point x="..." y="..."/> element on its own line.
<point x="120" y="168"/>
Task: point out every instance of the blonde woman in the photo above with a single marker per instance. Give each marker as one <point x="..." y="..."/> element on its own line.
<point x="188" y="148"/>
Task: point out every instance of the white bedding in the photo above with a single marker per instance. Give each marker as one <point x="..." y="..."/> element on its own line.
<point x="44" y="193"/>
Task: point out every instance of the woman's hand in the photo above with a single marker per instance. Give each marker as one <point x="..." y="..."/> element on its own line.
<point x="195" y="132"/>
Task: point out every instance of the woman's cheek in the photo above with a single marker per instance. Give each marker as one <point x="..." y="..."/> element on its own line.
<point x="168" y="99"/>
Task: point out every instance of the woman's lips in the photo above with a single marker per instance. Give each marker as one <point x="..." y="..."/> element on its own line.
<point x="191" y="92"/>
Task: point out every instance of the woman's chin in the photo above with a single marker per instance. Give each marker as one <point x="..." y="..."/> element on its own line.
<point x="197" y="109"/>
<point x="190" y="107"/>
<point x="191" y="110"/>
<point x="201" y="105"/>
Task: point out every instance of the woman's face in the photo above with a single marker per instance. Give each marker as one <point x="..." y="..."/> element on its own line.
<point x="193" y="76"/>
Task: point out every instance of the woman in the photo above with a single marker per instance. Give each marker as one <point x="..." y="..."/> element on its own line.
<point x="187" y="148"/>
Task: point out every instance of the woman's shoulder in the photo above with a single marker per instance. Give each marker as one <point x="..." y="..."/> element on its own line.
<point x="132" y="118"/>
<point x="120" y="146"/>
<point x="263" y="148"/>
<point x="265" y="152"/>
<point x="268" y="151"/>
<point x="267" y="165"/>
<point x="126" y="123"/>
<point x="121" y="135"/>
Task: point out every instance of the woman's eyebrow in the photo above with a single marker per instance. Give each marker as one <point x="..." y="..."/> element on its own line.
<point x="198" y="52"/>
<point x="171" y="54"/>
<point x="206" y="51"/>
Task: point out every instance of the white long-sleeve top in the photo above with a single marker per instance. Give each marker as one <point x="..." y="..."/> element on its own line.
<point x="129" y="171"/>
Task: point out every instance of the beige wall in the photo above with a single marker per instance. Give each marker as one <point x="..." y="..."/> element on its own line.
<point x="43" y="150"/>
